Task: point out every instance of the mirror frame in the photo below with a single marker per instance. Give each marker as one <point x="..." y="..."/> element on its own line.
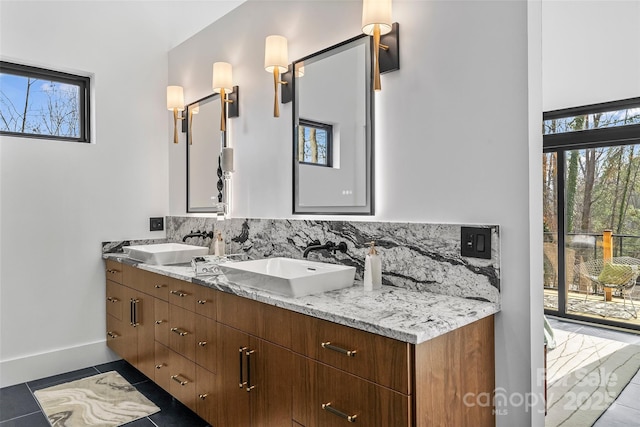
<point x="369" y="207"/>
<point x="215" y="97"/>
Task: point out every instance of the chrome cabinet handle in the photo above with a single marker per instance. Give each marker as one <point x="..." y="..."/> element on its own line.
<point x="112" y="299"/>
<point x="179" y="293"/>
<point x="203" y="396"/>
<point x="202" y="301"/>
<point x="159" y="366"/>
<point x="327" y="407"/>
<point x="112" y="271"/>
<point x="250" y="387"/>
<point x="182" y="382"/>
<point x="112" y="334"/>
<point x="158" y="322"/>
<point x="179" y="331"/>
<point x="329" y="346"/>
<point x="159" y="286"/>
<point x="202" y="343"/>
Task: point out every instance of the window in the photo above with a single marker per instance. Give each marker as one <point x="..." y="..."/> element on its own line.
<point x="315" y="141"/>
<point x="40" y="103"/>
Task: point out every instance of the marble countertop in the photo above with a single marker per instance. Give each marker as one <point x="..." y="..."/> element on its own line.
<point x="406" y="315"/>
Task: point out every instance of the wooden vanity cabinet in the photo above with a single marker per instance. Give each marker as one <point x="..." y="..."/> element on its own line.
<point x="130" y="320"/>
<point x="239" y="362"/>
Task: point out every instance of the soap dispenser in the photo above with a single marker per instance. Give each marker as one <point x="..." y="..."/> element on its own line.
<point x="372" y="269"/>
<point x="218" y="246"/>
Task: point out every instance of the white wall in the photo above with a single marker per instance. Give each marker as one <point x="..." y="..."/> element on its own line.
<point x="452" y="133"/>
<point x="59" y="200"/>
<point x="591" y="52"/>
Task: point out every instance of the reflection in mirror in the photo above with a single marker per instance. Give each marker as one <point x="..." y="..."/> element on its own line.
<point x="333" y="131"/>
<point x="204" y="144"/>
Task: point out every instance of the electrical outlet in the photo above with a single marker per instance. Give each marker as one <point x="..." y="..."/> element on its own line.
<point x="156" y="223"/>
<point x="475" y="242"/>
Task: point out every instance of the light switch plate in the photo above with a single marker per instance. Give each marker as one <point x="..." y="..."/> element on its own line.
<point x="475" y="242"/>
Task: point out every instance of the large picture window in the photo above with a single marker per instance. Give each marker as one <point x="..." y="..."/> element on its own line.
<point x="40" y="103"/>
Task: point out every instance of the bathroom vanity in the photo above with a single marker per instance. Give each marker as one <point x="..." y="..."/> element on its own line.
<point x="238" y="356"/>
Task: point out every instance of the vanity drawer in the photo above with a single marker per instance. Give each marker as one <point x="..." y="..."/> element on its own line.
<point x="156" y="285"/>
<point x="205" y="301"/>
<point x="182" y="376"/>
<point x="183" y="294"/>
<point x="182" y="328"/>
<point x="113" y="270"/>
<point x="382" y="360"/>
<point x="325" y="397"/>
<point x="161" y="315"/>
<point x="264" y="321"/>
<point x="115" y="298"/>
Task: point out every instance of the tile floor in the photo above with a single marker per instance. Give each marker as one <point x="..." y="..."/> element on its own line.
<point x="625" y="411"/>
<point x="19" y="408"/>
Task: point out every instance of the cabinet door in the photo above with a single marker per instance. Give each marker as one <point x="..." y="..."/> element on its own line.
<point x="143" y="306"/>
<point x="205" y="338"/>
<point x="182" y="326"/>
<point x="233" y="399"/>
<point x="271" y="372"/>
<point x="206" y="395"/>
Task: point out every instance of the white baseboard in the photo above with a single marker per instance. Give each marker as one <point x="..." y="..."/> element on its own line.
<point x="59" y="361"/>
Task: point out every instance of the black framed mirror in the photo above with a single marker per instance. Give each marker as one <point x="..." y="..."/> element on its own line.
<point x="333" y="137"/>
<point x="205" y="140"/>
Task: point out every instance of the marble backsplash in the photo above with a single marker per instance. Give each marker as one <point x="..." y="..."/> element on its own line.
<point x="417" y="256"/>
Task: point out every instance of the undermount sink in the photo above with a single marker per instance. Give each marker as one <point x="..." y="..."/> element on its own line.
<point x="288" y="276"/>
<point x="165" y="253"/>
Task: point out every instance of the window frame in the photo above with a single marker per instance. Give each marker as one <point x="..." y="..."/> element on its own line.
<point x="328" y="129"/>
<point x="82" y="82"/>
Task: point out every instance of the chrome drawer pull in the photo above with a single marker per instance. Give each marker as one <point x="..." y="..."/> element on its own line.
<point x="158" y="322"/>
<point x="179" y="332"/>
<point x="111" y="271"/>
<point x="112" y="299"/>
<point x="203" y="396"/>
<point x="182" y="382"/>
<point x="202" y="301"/>
<point x="327" y="407"/>
<point x="179" y="293"/>
<point x="112" y="335"/>
<point x="159" y="286"/>
<point x="159" y="366"/>
<point x="202" y="343"/>
<point x="328" y="346"/>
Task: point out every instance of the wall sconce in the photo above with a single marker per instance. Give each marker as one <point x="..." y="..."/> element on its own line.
<point x="376" y="22"/>
<point x="276" y="61"/>
<point x="222" y="84"/>
<point x="175" y="103"/>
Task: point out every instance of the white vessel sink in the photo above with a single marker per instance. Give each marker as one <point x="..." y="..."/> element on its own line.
<point x="288" y="276"/>
<point x="164" y="253"/>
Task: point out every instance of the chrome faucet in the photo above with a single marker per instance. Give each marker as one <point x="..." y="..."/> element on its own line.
<point x="198" y="233"/>
<point x="317" y="246"/>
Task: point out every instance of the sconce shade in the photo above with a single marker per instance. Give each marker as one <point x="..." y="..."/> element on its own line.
<point x="276" y="54"/>
<point x="222" y="77"/>
<point x="376" y="12"/>
<point x="175" y="98"/>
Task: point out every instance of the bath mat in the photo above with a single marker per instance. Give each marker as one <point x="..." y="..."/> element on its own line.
<point x="103" y="400"/>
<point x="585" y="374"/>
